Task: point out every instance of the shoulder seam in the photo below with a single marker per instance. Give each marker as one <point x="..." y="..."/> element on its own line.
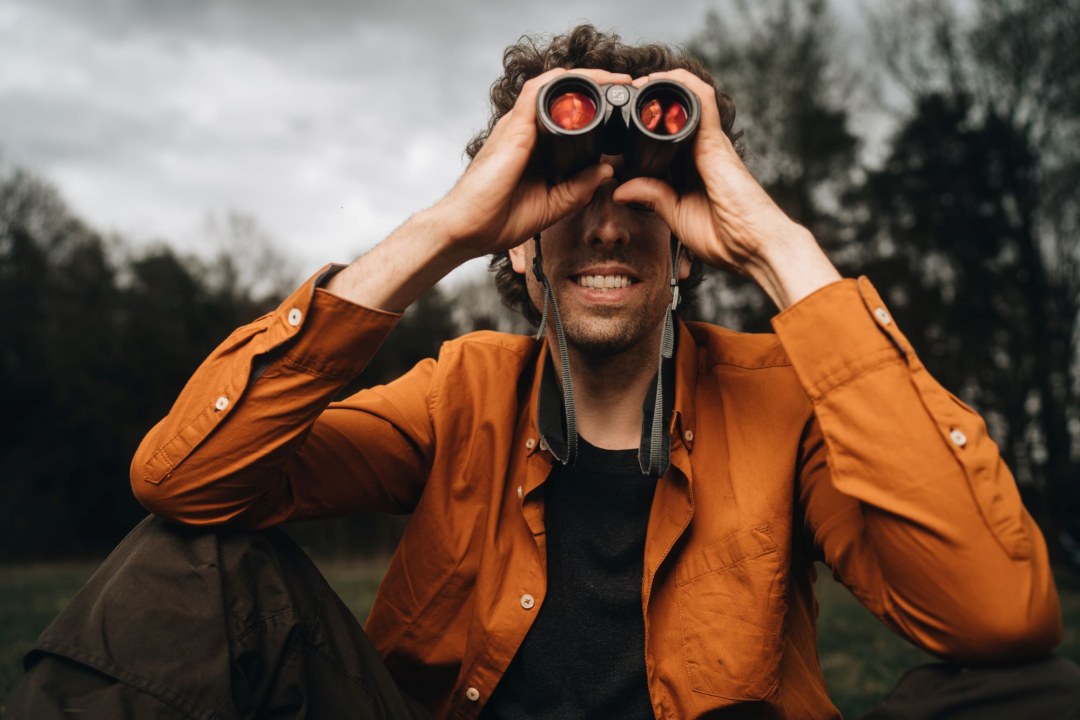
<point x="466" y="340"/>
<point x="760" y="351"/>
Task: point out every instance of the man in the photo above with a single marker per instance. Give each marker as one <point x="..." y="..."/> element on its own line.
<point x="563" y="559"/>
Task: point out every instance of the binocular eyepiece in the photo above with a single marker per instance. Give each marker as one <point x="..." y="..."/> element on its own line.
<point x="652" y="127"/>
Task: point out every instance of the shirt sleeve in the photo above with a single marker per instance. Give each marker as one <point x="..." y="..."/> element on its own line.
<point x="254" y="438"/>
<point x="906" y="495"/>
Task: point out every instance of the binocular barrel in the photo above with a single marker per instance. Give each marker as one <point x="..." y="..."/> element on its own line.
<point x="578" y="120"/>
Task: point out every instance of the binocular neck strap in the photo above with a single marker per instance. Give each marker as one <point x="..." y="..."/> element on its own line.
<point x="569" y="409"/>
<point x="658" y="459"/>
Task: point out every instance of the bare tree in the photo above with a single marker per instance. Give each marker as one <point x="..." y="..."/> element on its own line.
<point x="997" y="98"/>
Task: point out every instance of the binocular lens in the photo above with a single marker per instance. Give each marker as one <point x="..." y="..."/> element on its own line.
<point x="664" y="115"/>
<point x="573" y="110"/>
<point x="578" y="121"/>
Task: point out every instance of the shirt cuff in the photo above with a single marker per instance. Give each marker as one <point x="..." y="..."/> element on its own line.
<point x="327" y="335"/>
<point x="838" y="332"/>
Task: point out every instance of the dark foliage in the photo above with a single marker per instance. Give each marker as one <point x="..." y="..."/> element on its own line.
<point x="95" y="347"/>
<point x="967" y="223"/>
<point x="94" y="351"/>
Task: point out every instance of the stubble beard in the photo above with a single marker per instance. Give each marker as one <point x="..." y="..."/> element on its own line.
<point x="601" y="337"/>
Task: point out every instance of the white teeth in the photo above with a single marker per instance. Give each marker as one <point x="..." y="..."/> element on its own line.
<point x="603" y="281"/>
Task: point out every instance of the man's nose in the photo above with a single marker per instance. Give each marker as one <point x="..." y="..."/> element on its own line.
<point x="606" y="219"/>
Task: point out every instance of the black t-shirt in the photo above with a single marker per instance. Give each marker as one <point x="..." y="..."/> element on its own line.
<point x="584" y="656"/>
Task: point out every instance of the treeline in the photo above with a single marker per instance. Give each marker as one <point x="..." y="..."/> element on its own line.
<point x="97" y="341"/>
<point x="965" y="214"/>
<point x="940" y="157"/>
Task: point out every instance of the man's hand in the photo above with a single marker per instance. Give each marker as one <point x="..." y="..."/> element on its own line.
<point x="502" y="200"/>
<point x="726" y="218"/>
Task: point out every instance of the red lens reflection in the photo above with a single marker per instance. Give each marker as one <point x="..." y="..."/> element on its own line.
<point x="572" y="110"/>
<point x="650" y="114"/>
<point x="669" y="110"/>
<point x="674" y="118"/>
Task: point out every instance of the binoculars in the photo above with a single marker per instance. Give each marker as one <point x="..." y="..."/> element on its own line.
<point x="652" y="127"/>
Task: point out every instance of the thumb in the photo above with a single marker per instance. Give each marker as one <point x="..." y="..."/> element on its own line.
<point x="578" y="190"/>
<point x="653" y="193"/>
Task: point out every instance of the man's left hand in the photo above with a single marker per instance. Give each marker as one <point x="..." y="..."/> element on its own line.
<point x="725" y="217"/>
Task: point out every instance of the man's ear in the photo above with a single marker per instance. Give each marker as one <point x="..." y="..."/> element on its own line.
<point x="518" y="258"/>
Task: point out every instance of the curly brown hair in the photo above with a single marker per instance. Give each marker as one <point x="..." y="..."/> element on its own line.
<point x="586" y="47"/>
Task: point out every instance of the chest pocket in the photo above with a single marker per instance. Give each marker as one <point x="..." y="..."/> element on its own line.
<point x="732" y="599"/>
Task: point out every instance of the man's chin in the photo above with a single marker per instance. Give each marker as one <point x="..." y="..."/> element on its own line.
<point x="600" y="346"/>
<point x="603" y="339"/>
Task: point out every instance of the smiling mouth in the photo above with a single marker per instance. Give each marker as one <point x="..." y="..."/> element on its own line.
<point x="604" y="282"/>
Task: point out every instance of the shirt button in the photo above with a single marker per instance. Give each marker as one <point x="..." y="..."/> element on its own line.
<point x="958" y="437"/>
<point x="527" y="601"/>
<point x="221" y="403"/>
<point x="520" y="493"/>
<point x="882" y="315"/>
<point x="295" y="316"/>
<point x="530" y="443"/>
<point x="473" y="694"/>
<point x="688" y="436"/>
<point x="543" y="444"/>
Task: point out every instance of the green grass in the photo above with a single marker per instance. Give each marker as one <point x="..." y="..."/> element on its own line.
<point x="30" y="597"/>
<point x="354" y="582"/>
<point x="861" y="659"/>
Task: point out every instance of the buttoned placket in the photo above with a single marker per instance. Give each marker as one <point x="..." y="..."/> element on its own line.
<point x="529" y="584"/>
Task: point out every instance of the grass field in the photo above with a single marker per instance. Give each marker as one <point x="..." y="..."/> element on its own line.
<point x="861" y="659"/>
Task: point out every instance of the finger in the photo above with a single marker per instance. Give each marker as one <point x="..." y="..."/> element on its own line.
<point x="680" y="75"/>
<point x="710" y="127"/>
<point x="523" y="111"/>
<point x="507" y="148"/>
<point x="529" y="90"/>
<point x="521" y="118"/>
<point x="526" y="100"/>
<point x="524" y="108"/>
<point x="603" y="77"/>
<point x="499" y="128"/>
<point x="652" y="193"/>
<point x="578" y="190"/>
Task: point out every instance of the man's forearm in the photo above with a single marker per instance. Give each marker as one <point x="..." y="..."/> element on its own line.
<point x="221" y="450"/>
<point x="905" y="492"/>
<point x="397" y="271"/>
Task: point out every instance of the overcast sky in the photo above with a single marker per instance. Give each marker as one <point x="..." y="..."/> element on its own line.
<point x="151" y="115"/>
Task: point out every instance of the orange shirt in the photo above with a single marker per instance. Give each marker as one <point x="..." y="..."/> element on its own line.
<point x="828" y="440"/>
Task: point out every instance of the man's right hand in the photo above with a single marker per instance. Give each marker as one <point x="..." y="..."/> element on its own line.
<point x="500" y="201"/>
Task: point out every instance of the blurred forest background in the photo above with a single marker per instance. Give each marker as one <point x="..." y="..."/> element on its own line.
<point x="965" y="217"/>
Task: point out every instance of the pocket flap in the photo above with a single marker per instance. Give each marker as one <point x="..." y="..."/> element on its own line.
<point x="725" y="553"/>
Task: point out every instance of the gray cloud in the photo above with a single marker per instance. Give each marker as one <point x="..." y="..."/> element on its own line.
<point x="151" y="113"/>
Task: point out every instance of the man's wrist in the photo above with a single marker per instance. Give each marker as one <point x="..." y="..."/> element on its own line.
<point x="449" y="237"/>
<point x="791" y="266"/>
